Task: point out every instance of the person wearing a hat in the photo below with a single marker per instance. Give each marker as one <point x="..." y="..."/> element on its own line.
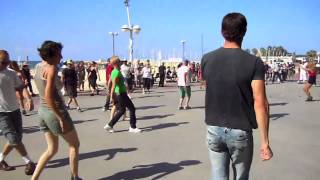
<point x="69" y="79"/>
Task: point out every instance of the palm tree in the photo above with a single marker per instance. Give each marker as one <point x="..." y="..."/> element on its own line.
<point x="263" y="51"/>
<point x="269" y="48"/>
<point x="254" y="51"/>
<point x="312" y="54"/>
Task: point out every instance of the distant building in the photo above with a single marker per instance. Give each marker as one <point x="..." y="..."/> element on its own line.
<point x="280" y="59"/>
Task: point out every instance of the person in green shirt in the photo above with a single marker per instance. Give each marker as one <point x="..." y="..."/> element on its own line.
<point x="118" y="88"/>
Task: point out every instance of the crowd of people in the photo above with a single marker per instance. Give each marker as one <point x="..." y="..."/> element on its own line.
<point x="228" y="120"/>
<point x="279" y="72"/>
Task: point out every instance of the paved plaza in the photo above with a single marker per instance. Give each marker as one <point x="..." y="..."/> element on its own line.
<point x="172" y="145"/>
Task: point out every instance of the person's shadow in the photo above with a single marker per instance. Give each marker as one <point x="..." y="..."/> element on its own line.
<point x="162" y="126"/>
<point x="274" y="117"/>
<point x="109" y="153"/>
<point x="145" y="171"/>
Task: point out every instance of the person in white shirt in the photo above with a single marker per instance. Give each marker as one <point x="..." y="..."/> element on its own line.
<point x="146" y="76"/>
<point x="183" y="74"/>
<point x="303" y="74"/>
<point x="136" y="73"/>
<point x="125" y="71"/>
<point x="10" y="116"/>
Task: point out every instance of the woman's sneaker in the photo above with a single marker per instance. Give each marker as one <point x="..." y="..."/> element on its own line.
<point x="134" y="130"/>
<point x="108" y="128"/>
<point x="75" y="178"/>
<point x="310" y="98"/>
<point x="30" y="167"/>
<point x="5" y="167"/>
<point x="79" y="109"/>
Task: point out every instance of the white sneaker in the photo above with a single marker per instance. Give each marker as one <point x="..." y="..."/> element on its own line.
<point x="134" y="130"/>
<point x="108" y="128"/>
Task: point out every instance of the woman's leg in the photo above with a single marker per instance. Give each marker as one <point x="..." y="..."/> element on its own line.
<point x="306" y="89"/>
<point x="53" y="144"/>
<point x="69" y="101"/>
<point x="73" y="141"/>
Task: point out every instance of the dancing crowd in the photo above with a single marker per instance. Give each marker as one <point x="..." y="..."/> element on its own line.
<point x="235" y="101"/>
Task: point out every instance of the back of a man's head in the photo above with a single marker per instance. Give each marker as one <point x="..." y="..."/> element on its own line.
<point x="3" y="55"/>
<point x="234" y="27"/>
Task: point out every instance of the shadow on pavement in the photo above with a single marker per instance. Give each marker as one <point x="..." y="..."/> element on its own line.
<point x="91" y="108"/>
<point x="146" y="171"/>
<point x="110" y="153"/>
<point x="162" y="126"/>
<point x="278" y="104"/>
<point x="148" y="107"/>
<point x="31" y="129"/>
<point x="198" y="107"/>
<point x="83" y="121"/>
<point x="274" y="117"/>
<point x="167" y="91"/>
<point x="154" y="117"/>
<point x="147" y="96"/>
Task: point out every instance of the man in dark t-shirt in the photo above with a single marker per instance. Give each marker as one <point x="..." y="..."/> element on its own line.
<point x="162" y="72"/>
<point x="235" y="102"/>
<point x="69" y="79"/>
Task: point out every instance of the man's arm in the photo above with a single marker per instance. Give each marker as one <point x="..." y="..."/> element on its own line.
<point x="261" y="107"/>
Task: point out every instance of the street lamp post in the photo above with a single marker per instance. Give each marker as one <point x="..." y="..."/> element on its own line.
<point x="131" y="29"/>
<point x="113" y="34"/>
<point x="183" y="42"/>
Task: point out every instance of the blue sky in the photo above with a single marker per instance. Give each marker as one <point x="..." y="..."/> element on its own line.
<point x="83" y="25"/>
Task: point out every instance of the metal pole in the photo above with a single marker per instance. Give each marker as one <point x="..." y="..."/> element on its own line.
<point x="131" y="47"/>
<point x="113" y="44"/>
<point x="201" y="44"/>
<point x="183" y="50"/>
<point x="126" y="2"/>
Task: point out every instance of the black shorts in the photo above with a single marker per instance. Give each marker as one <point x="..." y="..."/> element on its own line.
<point x="312" y="80"/>
<point x="93" y="83"/>
<point x="71" y="91"/>
<point x="146" y="83"/>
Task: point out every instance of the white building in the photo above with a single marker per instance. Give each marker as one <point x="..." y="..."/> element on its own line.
<point x="283" y="59"/>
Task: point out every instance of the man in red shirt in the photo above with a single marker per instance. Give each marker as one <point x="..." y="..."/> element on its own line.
<point x="109" y="69"/>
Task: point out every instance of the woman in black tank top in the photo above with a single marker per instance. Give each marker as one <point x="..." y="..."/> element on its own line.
<point x="93" y="75"/>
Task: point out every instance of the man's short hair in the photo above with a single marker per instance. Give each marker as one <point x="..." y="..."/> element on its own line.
<point x="3" y="54"/>
<point x="49" y="49"/>
<point x="234" y="27"/>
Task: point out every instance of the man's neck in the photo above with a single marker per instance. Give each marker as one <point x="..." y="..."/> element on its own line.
<point x="229" y="44"/>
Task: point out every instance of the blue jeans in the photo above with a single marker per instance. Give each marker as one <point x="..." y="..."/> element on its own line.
<point x="227" y="144"/>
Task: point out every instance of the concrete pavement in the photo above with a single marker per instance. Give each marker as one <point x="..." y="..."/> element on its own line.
<point x="172" y="145"/>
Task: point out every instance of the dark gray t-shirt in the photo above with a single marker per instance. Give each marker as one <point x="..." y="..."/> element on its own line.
<point x="229" y="97"/>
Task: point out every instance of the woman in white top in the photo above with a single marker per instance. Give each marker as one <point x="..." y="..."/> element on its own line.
<point x="146" y="75"/>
